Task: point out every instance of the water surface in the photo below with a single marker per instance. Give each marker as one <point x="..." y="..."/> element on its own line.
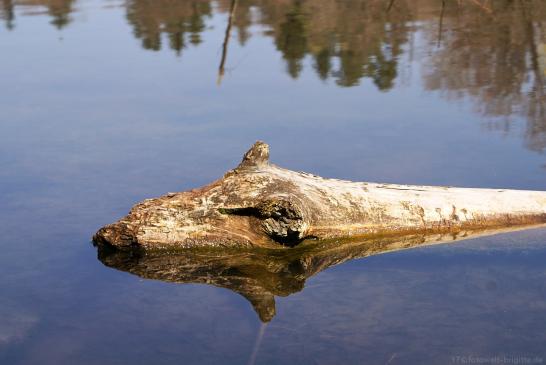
<point x="104" y="103"/>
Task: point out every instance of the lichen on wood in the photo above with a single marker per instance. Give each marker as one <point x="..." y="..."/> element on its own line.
<point x="260" y="204"/>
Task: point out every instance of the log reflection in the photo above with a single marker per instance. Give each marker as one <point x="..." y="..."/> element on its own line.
<point x="261" y="275"/>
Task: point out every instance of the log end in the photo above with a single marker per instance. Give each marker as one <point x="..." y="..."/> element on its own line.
<point x="118" y="234"/>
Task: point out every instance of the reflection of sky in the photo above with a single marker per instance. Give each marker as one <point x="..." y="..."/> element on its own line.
<point x="482" y="297"/>
<point x="427" y="303"/>
<point x="14" y="324"/>
<point x="90" y="123"/>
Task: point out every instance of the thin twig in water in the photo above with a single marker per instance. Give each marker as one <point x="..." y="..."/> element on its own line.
<point x="392" y="358"/>
<point x="221" y="69"/>
<point x="441" y="23"/>
<point x="482" y="6"/>
<point x="257" y="344"/>
<point x="390" y="6"/>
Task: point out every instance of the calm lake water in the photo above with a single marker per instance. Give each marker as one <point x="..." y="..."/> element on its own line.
<point x="105" y="103"/>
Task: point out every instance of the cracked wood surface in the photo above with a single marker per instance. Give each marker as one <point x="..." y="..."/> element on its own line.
<point x="260" y="204"/>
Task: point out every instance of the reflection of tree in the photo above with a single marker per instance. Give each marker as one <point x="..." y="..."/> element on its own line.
<point x="361" y="35"/>
<point x="59" y="10"/>
<point x="491" y="52"/>
<point x="6" y="13"/>
<point x="491" y="55"/>
<point x="368" y="41"/>
<point x="181" y="21"/>
<point x="242" y="18"/>
<point x="291" y="38"/>
<point x="365" y="39"/>
<point x="225" y="45"/>
<point x="535" y="103"/>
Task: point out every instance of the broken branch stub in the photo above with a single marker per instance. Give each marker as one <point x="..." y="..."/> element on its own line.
<point x="260" y="204"/>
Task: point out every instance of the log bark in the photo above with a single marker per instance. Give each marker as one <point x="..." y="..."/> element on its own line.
<point x="260" y="204"/>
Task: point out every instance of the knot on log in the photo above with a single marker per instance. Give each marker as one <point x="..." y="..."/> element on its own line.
<point x="281" y="219"/>
<point x="256" y="156"/>
<point x="117" y="234"/>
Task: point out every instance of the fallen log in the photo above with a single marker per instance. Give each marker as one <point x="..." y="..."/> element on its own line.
<point x="260" y="204"/>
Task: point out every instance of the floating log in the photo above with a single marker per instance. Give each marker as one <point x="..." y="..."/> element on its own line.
<point x="260" y="204"/>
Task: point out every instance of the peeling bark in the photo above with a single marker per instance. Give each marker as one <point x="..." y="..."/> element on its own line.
<point x="260" y="204"/>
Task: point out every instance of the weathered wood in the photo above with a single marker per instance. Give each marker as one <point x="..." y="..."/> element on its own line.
<point x="260" y="204"/>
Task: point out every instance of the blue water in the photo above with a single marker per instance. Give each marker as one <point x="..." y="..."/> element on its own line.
<point x="92" y="121"/>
